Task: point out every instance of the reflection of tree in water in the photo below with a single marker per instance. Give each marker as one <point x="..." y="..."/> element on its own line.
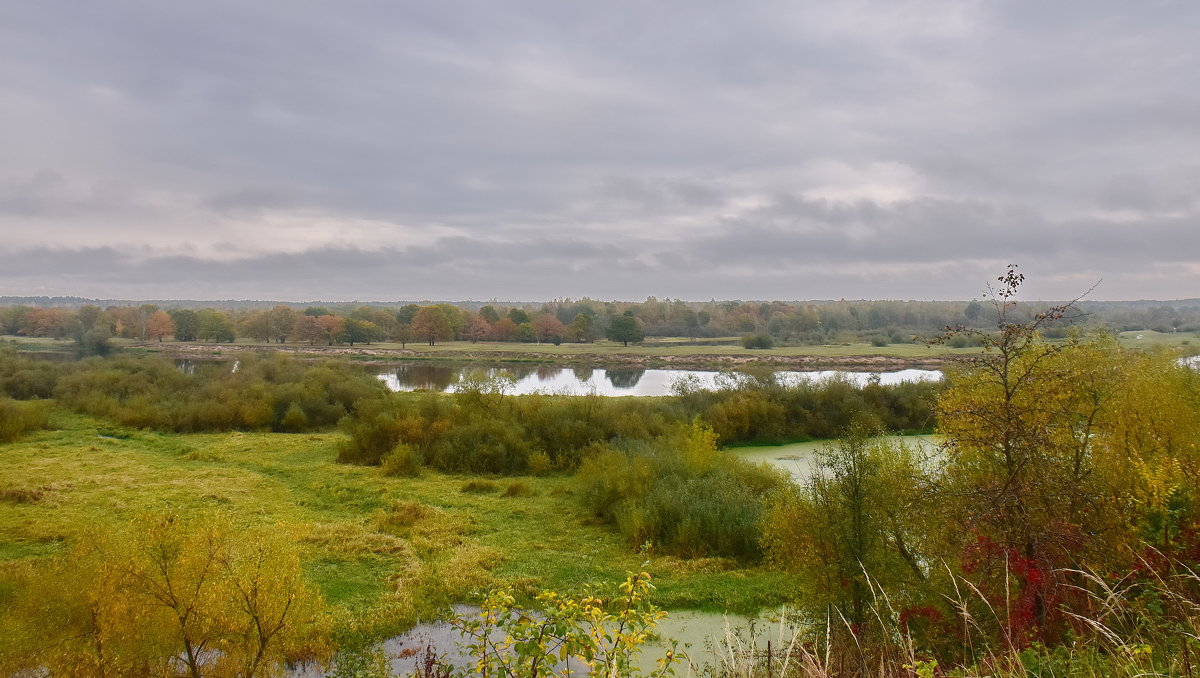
<point x="583" y="374"/>
<point x="625" y="378"/>
<point x="520" y="372"/>
<point x="426" y="377"/>
<point x="548" y="372"/>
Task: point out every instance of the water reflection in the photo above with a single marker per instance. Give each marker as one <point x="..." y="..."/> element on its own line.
<point x="615" y="382"/>
<point x="421" y="377"/>
<point x="697" y="634"/>
<point x="625" y="379"/>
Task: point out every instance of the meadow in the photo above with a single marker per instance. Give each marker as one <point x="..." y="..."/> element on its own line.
<point x="1039" y="543"/>
<point x="393" y="548"/>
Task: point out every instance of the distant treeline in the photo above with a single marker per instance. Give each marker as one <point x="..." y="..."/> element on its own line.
<point x="763" y="324"/>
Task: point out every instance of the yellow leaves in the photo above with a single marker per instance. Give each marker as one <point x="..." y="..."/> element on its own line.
<point x="197" y="591"/>
<point x="566" y="631"/>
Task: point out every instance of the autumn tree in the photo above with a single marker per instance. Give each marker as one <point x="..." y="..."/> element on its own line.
<point x="547" y="327"/>
<point x="582" y="327"/>
<point x="331" y="328"/>
<point x="159" y="325"/>
<point x="504" y="329"/>
<point x="168" y="596"/>
<point x="431" y="324"/>
<point x="476" y="328"/>
<point x="356" y="331"/>
<point x="1022" y="469"/>
<point x="307" y="329"/>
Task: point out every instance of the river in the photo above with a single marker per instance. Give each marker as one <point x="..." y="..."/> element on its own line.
<point x="608" y="382"/>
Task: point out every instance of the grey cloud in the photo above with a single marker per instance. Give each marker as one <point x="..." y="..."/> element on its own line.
<point x="622" y="146"/>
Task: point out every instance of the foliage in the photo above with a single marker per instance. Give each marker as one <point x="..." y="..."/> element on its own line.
<point x="18" y="418"/>
<point x="566" y="636"/>
<point x="271" y="392"/>
<point x="853" y="527"/>
<point x="625" y="328"/>
<point x="168" y="596"/>
<point x="758" y="341"/>
<point x="680" y="494"/>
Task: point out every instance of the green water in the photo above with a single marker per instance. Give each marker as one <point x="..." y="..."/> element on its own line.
<point x="796" y="458"/>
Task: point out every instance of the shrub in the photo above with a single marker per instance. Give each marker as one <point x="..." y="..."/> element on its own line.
<point x="518" y="489"/>
<point x="681" y="494"/>
<point x="478" y="487"/>
<point x="403" y="460"/>
<point x="18" y="418"/>
<point x="758" y="341"/>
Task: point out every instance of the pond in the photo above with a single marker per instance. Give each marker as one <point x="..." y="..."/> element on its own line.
<point x="796" y="458"/>
<point x="698" y="636"/>
<point x="608" y="382"/>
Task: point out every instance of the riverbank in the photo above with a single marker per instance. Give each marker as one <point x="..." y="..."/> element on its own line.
<point x="861" y="357"/>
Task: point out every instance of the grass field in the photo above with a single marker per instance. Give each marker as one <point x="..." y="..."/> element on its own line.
<point x="390" y="550"/>
<point x="1152" y="339"/>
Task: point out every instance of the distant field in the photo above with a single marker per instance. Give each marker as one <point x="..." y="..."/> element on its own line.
<point x="665" y="349"/>
<point x="395" y="547"/>
<point x="1150" y="338"/>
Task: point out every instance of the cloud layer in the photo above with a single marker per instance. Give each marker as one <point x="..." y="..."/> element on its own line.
<point x="527" y="150"/>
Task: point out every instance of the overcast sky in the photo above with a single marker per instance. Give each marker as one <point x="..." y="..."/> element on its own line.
<point x="529" y="150"/>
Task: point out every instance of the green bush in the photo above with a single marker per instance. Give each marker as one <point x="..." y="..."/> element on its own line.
<point x="265" y="393"/>
<point x="18" y="418"/>
<point x="403" y="460"/>
<point x="681" y="494"/>
<point x="478" y="487"/>
<point x="519" y="488"/>
<point x="758" y="341"/>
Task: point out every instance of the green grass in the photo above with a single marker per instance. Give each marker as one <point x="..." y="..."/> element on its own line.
<point x="1152" y="339"/>
<point x="666" y="348"/>
<point x="388" y="549"/>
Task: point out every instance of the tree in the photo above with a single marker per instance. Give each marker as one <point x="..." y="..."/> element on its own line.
<point x="168" y="596"/>
<point x="456" y="318"/>
<point x="583" y="327"/>
<point x="280" y="320"/>
<point x="625" y="328"/>
<point x="213" y="325"/>
<point x="548" y="328"/>
<point x="489" y="314"/>
<point x="853" y="529"/>
<point x="1022" y="473"/>
<point x="159" y="325"/>
<point x="355" y="331"/>
<point x="257" y="326"/>
<point x="331" y="328"/>
<point x="431" y="324"/>
<point x="308" y="329"/>
<point x="476" y="328"/>
<point x="187" y="324"/>
<point x="504" y="329"/>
